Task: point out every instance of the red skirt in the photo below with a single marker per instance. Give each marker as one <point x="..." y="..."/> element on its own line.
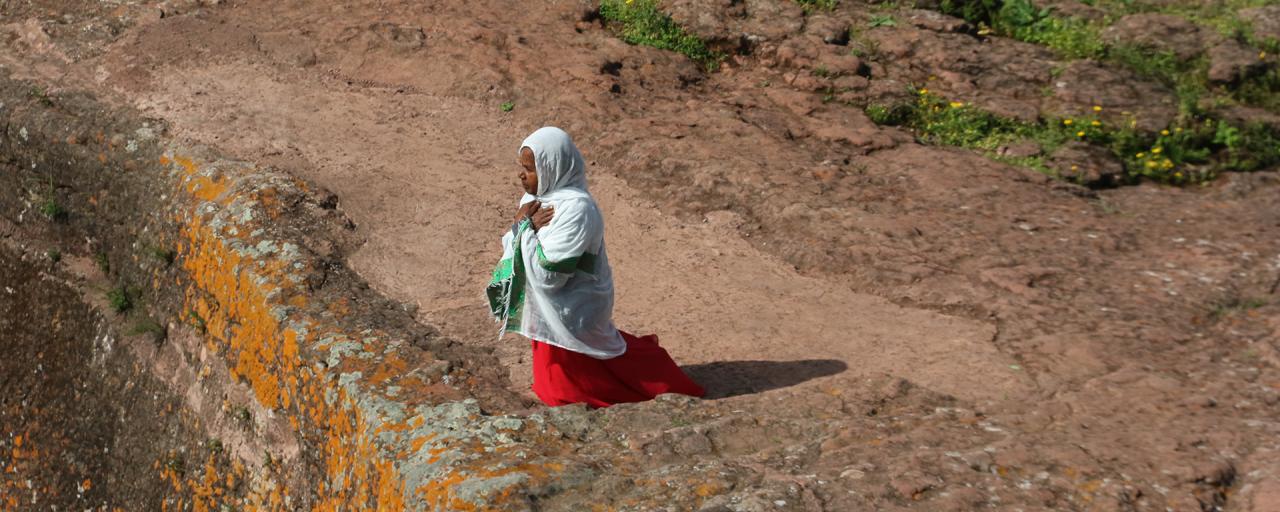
<point x="645" y="370"/>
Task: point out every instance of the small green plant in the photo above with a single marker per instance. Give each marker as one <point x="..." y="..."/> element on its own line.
<point x="822" y="72"/>
<point x="215" y="445"/>
<point x="973" y="11"/>
<point x="816" y="5"/>
<point x="883" y="20"/>
<point x="104" y="264"/>
<point x="52" y="210"/>
<point x="859" y="44"/>
<point x="146" y="326"/>
<point x="54" y="255"/>
<point x="1107" y="207"/>
<point x="1162" y="66"/>
<point x="1235" y="305"/>
<point x="161" y="254"/>
<point x="41" y="96"/>
<point x="642" y="22"/>
<point x="891" y="115"/>
<point x="241" y="413"/>
<point x="173" y="462"/>
<point x="507" y="106"/>
<point x="119" y="299"/>
<point x="149" y="327"/>
<point x="1261" y="90"/>
<point x="1247" y="148"/>
<point x="197" y="322"/>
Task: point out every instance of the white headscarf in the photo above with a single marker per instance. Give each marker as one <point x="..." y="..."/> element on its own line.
<point x="563" y="270"/>
<point x="562" y="172"/>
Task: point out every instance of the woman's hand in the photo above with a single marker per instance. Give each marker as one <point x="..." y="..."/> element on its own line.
<point x="527" y="210"/>
<point x="542" y="217"/>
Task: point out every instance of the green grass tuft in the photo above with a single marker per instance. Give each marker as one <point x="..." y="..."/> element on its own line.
<point x="176" y="464"/>
<point x="1070" y="37"/>
<point x="882" y="20"/>
<point x="150" y="327"/>
<point x="973" y="11"/>
<point x="1185" y="154"/>
<point x="197" y="322"/>
<point x="53" y="211"/>
<point x="1234" y="305"/>
<point x="641" y="22"/>
<point x="120" y="299"/>
<point x="508" y="106"/>
<point x="818" y="5"/>
<point x="104" y="264"/>
<point x="241" y="414"/>
<point x="41" y="96"/>
<point x="161" y="254"/>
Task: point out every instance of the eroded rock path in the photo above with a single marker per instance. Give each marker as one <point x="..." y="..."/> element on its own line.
<point x="429" y="180"/>
<point x="1048" y="345"/>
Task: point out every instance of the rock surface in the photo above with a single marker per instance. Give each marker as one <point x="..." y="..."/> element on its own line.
<point x="1265" y="21"/>
<point x="925" y="328"/>
<point x="1160" y="32"/>
<point x="1232" y="61"/>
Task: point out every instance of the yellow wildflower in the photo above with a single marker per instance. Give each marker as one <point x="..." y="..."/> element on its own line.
<point x="1066" y="122"/>
<point x="1177" y="130"/>
<point x="1151" y="164"/>
<point x="1164" y="132"/>
<point x="1140" y="155"/>
<point x="1167" y="164"/>
<point x="1097" y="108"/>
<point x="957" y="104"/>
<point x="924" y="91"/>
<point x="1156" y="151"/>
<point x="1177" y="175"/>
<point x="1075" y="167"/>
<point x="1096" y="123"/>
<point x="1080" y="134"/>
<point x="1262" y="55"/>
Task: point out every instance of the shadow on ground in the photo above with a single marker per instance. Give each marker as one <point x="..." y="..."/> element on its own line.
<point x="732" y="378"/>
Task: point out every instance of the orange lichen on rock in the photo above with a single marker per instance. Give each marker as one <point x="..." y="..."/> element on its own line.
<point x="234" y="293"/>
<point x="242" y="286"/>
<point x="202" y="187"/>
<point x="242" y="322"/>
<point x="208" y="491"/>
<point x="390" y="367"/>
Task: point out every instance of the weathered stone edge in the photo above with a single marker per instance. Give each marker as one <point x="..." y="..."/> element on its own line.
<point x="385" y="424"/>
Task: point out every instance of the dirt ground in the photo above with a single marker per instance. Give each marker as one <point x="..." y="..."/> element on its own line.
<point x="778" y="245"/>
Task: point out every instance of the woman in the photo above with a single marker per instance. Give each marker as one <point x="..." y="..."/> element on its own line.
<point x="555" y="287"/>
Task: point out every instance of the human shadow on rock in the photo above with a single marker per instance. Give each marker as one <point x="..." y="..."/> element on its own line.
<point x="724" y="379"/>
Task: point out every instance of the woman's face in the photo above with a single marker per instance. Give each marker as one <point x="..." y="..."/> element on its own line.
<point x="528" y="171"/>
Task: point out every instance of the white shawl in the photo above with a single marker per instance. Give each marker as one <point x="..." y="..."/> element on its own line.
<point x="567" y="282"/>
